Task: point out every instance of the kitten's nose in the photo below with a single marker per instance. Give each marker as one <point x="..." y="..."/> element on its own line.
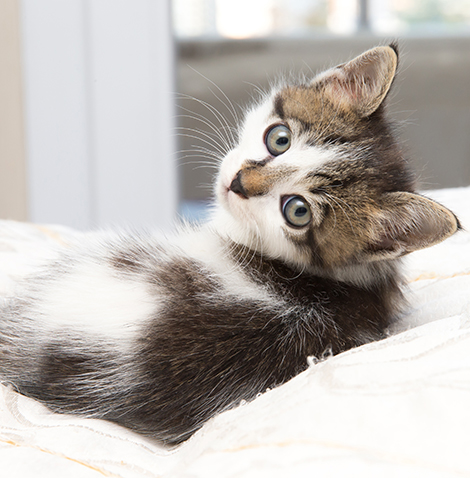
<point x="237" y="187"/>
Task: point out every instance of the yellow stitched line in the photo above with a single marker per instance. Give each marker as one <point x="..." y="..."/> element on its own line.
<point x="60" y="455"/>
<point x="384" y="456"/>
<point x="428" y="276"/>
<point x="52" y="234"/>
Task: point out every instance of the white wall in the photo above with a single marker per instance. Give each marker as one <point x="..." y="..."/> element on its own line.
<point x="98" y="86"/>
<point x="12" y="153"/>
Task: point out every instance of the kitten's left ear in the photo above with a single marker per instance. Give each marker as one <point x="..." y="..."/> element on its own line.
<point x="361" y="84"/>
<point x="407" y="222"/>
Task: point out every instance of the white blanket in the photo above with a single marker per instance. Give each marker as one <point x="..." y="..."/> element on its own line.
<point x="398" y="407"/>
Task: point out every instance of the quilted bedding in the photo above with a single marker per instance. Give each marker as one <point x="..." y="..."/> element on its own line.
<point x="397" y="407"/>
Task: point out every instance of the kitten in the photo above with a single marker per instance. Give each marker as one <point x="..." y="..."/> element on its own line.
<point x="301" y="256"/>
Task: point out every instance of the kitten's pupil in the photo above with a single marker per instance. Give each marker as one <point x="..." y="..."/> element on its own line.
<point x="296" y="211"/>
<point x="277" y="139"/>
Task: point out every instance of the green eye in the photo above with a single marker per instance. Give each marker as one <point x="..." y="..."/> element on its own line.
<point x="278" y="139"/>
<point x="296" y="211"/>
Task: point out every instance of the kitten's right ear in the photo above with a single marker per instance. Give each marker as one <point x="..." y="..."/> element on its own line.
<point x="407" y="222"/>
<point x="361" y="85"/>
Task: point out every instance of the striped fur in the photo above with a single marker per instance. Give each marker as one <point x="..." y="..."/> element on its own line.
<point x="160" y="335"/>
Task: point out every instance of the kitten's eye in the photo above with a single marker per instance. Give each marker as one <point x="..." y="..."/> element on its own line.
<point x="296" y="211"/>
<point x="278" y="139"/>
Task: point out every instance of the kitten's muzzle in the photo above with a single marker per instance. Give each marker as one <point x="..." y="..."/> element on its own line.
<point x="256" y="179"/>
<point x="237" y="187"/>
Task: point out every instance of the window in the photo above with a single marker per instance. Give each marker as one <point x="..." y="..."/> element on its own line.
<point x="248" y="18"/>
<point x="431" y="99"/>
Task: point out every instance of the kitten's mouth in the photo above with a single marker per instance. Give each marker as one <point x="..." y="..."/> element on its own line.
<point x="237" y="187"/>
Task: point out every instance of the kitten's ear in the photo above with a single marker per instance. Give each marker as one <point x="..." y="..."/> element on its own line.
<point x="408" y="222"/>
<point x="361" y="84"/>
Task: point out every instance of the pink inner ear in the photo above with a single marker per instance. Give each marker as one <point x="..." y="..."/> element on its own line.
<point x="391" y="236"/>
<point x="362" y="84"/>
<point x="342" y="87"/>
<point x="351" y="89"/>
<point x="385" y="243"/>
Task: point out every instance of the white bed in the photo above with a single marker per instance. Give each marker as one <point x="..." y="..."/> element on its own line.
<point x="398" y="407"/>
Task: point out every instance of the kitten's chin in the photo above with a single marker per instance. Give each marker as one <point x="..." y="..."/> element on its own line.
<point x="229" y="200"/>
<point x="229" y="227"/>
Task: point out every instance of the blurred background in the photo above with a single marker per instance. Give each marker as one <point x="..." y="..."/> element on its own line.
<point x="108" y="107"/>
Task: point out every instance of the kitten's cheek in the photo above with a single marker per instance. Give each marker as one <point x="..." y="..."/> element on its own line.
<point x="230" y="166"/>
<point x="223" y="188"/>
<point x="226" y="197"/>
<point x="318" y="216"/>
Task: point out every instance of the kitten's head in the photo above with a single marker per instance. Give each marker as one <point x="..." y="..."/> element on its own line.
<point x="318" y="180"/>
